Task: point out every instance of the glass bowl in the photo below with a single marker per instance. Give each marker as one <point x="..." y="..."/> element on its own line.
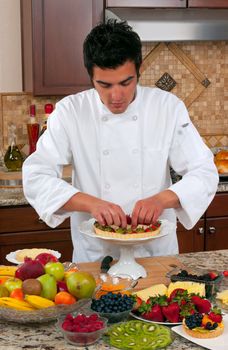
<point x="82" y="338"/>
<point x="114" y="317"/>
<point x="107" y="283"/>
<point x="211" y="286"/>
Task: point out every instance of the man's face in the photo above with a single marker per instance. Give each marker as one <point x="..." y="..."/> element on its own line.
<point x="116" y="87"/>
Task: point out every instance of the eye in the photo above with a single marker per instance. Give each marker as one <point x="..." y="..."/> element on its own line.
<point x="126" y="82"/>
<point x="104" y="85"/>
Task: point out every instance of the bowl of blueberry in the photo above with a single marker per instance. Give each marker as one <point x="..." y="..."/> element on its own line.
<point x="116" y="307"/>
<point x="82" y="329"/>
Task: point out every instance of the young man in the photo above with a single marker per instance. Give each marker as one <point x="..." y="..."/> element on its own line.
<point x="121" y="140"/>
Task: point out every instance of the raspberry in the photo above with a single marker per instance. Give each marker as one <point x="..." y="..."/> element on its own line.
<point x="93" y="317"/>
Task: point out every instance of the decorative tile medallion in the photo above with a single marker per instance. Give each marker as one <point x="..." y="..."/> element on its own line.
<point x="199" y="81"/>
<point x="166" y="82"/>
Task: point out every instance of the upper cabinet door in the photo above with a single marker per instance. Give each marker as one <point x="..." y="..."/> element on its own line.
<point x="53" y="32"/>
<point x="208" y="3"/>
<point x="146" y="3"/>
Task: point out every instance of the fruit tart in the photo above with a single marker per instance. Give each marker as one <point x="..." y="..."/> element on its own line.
<point x="208" y="325"/>
<point x="141" y="231"/>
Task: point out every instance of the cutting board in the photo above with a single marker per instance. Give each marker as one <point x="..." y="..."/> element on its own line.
<point x="156" y="267"/>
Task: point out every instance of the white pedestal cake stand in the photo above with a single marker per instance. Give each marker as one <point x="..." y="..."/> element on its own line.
<point x="126" y="265"/>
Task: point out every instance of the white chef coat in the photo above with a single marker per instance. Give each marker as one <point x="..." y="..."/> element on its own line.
<point x="120" y="158"/>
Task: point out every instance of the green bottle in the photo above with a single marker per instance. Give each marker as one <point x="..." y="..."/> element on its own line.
<point x="13" y="158"/>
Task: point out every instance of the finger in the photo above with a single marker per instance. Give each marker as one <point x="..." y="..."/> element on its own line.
<point x="135" y="215"/>
<point x="142" y="215"/>
<point x="149" y="217"/>
<point x="101" y="220"/>
<point x="108" y="218"/>
<point x="156" y="215"/>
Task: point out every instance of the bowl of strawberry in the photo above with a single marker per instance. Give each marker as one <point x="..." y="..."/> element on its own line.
<point x="82" y="329"/>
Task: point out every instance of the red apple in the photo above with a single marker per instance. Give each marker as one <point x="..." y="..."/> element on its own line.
<point x="29" y="269"/>
<point x="61" y="286"/>
<point x="44" y="258"/>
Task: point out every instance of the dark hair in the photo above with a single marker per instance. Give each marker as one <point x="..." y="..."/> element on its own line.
<point x="110" y="45"/>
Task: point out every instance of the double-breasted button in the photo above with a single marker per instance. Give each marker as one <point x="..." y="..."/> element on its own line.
<point x="135" y="151"/>
<point x="107" y="186"/>
<point x="134" y="117"/>
<point x="106" y="152"/>
<point x="136" y="185"/>
<point x="104" y="119"/>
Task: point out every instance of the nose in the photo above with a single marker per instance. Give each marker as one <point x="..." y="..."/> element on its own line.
<point x="117" y="93"/>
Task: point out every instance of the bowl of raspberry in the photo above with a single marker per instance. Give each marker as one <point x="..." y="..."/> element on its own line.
<point x="82" y="329"/>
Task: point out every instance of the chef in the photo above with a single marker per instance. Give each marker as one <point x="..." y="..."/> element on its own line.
<point x="121" y="140"/>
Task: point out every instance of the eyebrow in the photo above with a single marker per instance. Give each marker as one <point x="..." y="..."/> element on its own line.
<point x="120" y="82"/>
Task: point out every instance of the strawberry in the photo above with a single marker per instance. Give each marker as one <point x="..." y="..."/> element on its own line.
<point x="137" y="303"/>
<point x="177" y="292"/>
<point x="203" y="306"/>
<point x="225" y="273"/>
<point x="215" y="315"/>
<point x="155" y="314"/>
<point x="171" y="312"/>
<point x="187" y="310"/>
<point x="213" y="275"/>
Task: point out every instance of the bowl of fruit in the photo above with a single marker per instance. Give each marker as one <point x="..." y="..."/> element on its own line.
<point x="116" y="307"/>
<point x="42" y="289"/>
<point x="82" y="329"/>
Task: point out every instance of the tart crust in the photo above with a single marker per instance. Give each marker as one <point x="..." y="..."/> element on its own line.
<point x="126" y="236"/>
<point x="204" y="335"/>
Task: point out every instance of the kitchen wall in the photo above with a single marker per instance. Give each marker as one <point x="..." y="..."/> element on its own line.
<point x="197" y="73"/>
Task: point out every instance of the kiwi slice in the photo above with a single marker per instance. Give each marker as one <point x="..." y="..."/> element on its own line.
<point x="139" y="335"/>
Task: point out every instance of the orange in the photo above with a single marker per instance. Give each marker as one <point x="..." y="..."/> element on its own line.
<point x="64" y="298"/>
<point x="17" y="293"/>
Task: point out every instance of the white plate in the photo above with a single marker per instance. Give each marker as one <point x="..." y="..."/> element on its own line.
<point x="11" y="257"/>
<point x="218" y="343"/>
<point x="87" y="228"/>
<point x="149" y="321"/>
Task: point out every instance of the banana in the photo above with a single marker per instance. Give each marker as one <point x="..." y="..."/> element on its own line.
<point x="15" y="304"/>
<point x="8" y="270"/>
<point x="39" y="302"/>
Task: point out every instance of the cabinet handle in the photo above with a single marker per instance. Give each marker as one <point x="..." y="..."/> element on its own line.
<point x="211" y="230"/>
<point x="201" y="230"/>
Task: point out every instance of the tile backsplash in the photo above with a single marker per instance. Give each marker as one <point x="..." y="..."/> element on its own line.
<point x="200" y="73"/>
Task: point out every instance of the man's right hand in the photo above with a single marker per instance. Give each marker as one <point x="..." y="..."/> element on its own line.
<point x="106" y="213"/>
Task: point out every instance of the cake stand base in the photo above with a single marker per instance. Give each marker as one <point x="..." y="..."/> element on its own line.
<point x="127" y="265"/>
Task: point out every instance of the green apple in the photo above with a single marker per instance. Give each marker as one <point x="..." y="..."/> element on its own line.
<point x="81" y="284"/>
<point x="55" y="269"/>
<point x="13" y="283"/>
<point x="49" y="286"/>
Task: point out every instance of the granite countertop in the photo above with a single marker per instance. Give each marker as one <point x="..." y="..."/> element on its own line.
<point x="45" y="337"/>
<point x="15" y="196"/>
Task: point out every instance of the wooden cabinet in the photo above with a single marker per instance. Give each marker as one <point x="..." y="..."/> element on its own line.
<point x="208" y="3"/>
<point x="168" y="3"/>
<point x="20" y="227"/>
<point x="53" y="32"/>
<point x="211" y="232"/>
<point x="147" y="3"/>
<point x="191" y="240"/>
<point x="216" y="228"/>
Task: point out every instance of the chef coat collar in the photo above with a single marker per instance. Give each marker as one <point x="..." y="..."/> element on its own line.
<point x="131" y="109"/>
